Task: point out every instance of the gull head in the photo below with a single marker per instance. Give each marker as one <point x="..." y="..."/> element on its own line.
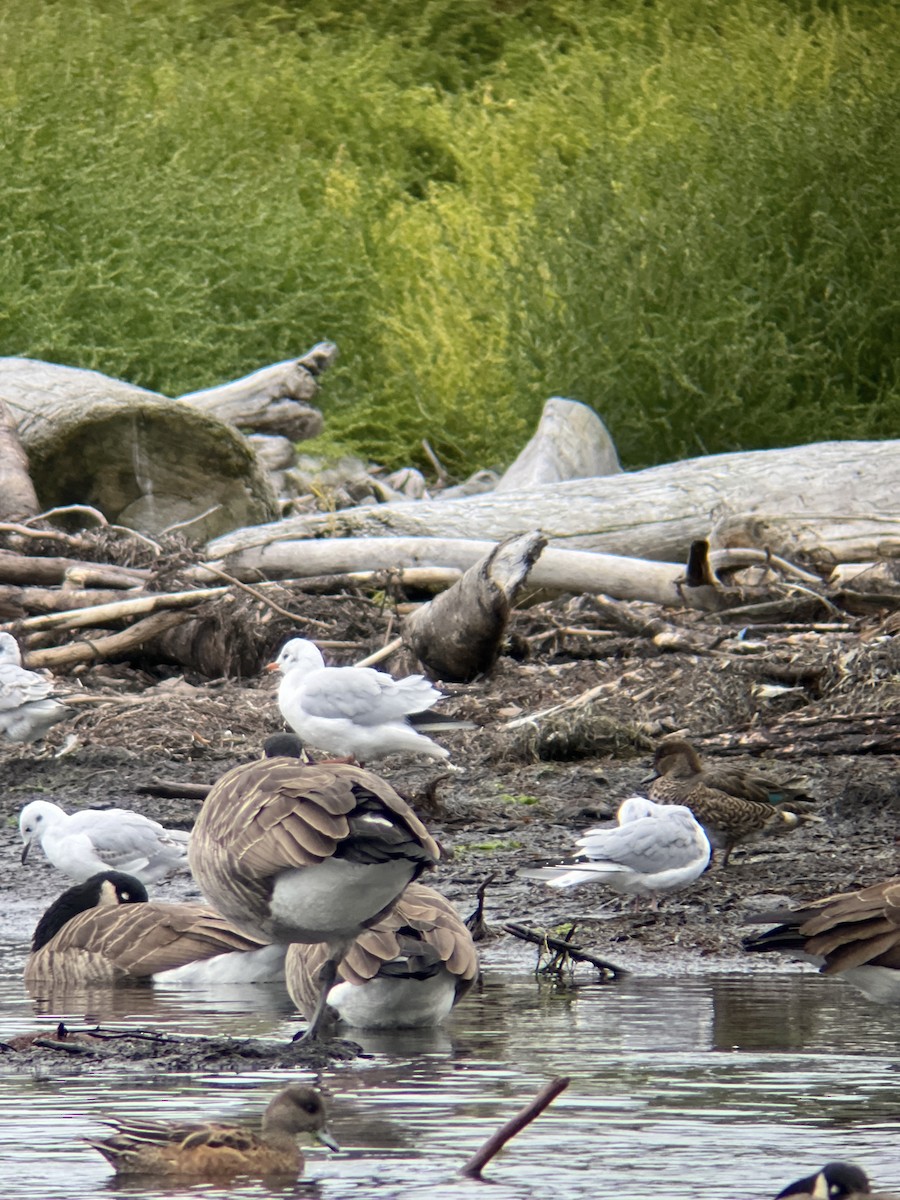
<point x="297" y="653"/>
<point x="34" y="820"/>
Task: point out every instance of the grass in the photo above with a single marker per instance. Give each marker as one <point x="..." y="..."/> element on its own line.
<point x="683" y="214"/>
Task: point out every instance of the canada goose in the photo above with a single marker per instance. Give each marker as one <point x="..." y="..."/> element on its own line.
<point x="214" y="1149"/>
<point x="654" y="848"/>
<point x="81" y="844"/>
<point x="835" y="1181"/>
<point x="106" y="931"/>
<point x="407" y="970"/>
<point x="297" y="852"/>
<point x="27" y="708"/>
<point x="352" y="711"/>
<point x="727" y="816"/>
<point x="855" y="935"/>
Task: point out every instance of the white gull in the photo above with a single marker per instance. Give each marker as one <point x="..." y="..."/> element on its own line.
<point x="654" y="848"/>
<point x="352" y="711"/>
<point x="27" y="708"/>
<point x="93" y="840"/>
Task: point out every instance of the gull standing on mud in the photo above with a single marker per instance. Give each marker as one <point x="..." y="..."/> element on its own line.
<point x="356" y="712"/>
<point x="83" y="843"/>
<point x="654" y="848"/>
<point x="27" y="708"/>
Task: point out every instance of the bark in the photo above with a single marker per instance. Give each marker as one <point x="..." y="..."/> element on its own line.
<point x="18" y="498"/>
<point x="143" y="460"/>
<point x="20" y="568"/>
<point x="570" y="442"/>
<point x="274" y="400"/>
<point x="840" y="498"/>
<point x="458" y="635"/>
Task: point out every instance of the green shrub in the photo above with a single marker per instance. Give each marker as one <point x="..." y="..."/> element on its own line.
<point x="682" y="213"/>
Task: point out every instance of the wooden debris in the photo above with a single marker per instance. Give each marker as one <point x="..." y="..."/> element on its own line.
<point x="457" y="635"/>
<point x="570" y="442"/>
<point x="547" y="1094"/>
<point x="18" y="498"/>
<point x="566" y="951"/>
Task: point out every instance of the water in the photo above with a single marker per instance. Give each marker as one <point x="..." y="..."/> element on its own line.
<point x="720" y="1085"/>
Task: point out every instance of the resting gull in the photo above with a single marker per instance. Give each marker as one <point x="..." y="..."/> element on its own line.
<point x="352" y="711"/>
<point x="654" y="848"/>
<point x="27" y="708"/>
<point x="81" y="844"/>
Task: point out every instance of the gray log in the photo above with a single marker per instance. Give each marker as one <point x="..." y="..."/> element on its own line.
<point x="653" y="514"/>
<point x="570" y="442"/>
<point x="144" y="460"/>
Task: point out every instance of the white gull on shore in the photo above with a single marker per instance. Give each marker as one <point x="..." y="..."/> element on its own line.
<point x="27" y="707"/>
<point x="81" y="844"/>
<point x="352" y="711"/>
<point x="654" y="848"/>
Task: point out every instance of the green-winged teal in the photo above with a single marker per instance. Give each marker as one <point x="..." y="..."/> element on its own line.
<point x="728" y="804"/>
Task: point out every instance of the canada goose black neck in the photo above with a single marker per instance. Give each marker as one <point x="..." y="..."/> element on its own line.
<point x="104" y="888"/>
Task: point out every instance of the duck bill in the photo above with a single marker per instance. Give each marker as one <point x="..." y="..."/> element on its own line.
<point x="649" y="778"/>
<point x="25" y="850"/>
<point x="326" y="1137"/>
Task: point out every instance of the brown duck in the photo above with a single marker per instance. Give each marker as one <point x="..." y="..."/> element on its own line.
<point x="855" y="935"/>
<point x="730" y="804"/>
<point x="216" y="1150"/>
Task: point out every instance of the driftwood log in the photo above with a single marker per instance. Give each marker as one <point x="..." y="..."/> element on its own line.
<point x="570" y="442"/>
<point x="840" y="498"/>
<point x="18" y="498"/>
<point x="152" y="463"/>
<point x="457" y="635"/>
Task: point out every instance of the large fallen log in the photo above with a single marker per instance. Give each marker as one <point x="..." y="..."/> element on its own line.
<point x="839" y="497"/>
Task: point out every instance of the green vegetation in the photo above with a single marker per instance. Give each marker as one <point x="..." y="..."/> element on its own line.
<point x="682" y="213"/>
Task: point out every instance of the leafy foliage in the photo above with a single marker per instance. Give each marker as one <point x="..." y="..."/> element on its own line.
<point x="682" y="214"/>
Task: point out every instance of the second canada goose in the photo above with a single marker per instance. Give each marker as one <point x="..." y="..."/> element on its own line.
<point x="106" y="931"/>
<point x="854" y="935"/>
<point x="405" y="971"/>
<point x="216" y="1149"/>
<point x="297" y="852"/>
<point x="727" y="816"/>
<point x="99" y="839"/>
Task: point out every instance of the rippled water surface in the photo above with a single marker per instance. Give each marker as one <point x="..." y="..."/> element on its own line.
<point x="719" y="1085"/>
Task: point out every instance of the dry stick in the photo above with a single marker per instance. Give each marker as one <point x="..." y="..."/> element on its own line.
<point x="97" y="649"/>
<point x="244" y="587"/>
<point x="478" y="1161"/>
<point x="380" y="655"/>
<point x="562" y="947"/>
<point x="99" y="614"/>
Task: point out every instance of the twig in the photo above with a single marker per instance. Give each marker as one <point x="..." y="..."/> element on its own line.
<point x="99" y="614"/>
<point x="607" y="970"/>
<point x="545" y="1097"/>
<point x="170" y="789"/>
<point x="191" y="520"/>
<point x="382" y="654"/>
<point x="245" y="587"/>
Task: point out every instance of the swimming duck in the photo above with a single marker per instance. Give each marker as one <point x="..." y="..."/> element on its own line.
<point x="297" y="852"/>
<point x="835" y="1181"/>
<point x="81" y="844"/>
<point x="356" y="712"/>
<point x="217" y="1150"/>
<point x="728" y="804"/>
<point x="27" y="707"/>
<point x="407" y="970"/>
<point x="855" y="935"/>
<point x="654" y="848"/>
<point x="107" y="931"/>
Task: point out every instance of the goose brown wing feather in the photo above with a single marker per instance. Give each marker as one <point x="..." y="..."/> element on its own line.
<point x="278" y="814"/>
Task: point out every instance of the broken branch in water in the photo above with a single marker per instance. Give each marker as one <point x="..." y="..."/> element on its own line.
<point x="608" y="971"/>
<point x="545" y="1097"/>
